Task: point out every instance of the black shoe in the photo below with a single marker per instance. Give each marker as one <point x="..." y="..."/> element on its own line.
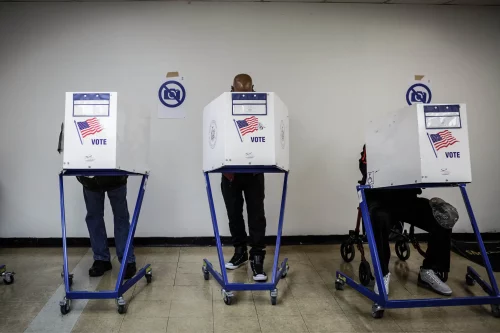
<point x="130" y="270"/>
<point x="257" y="264"/>
<point x="239" y="258"/>
<point x="99" y="268"/>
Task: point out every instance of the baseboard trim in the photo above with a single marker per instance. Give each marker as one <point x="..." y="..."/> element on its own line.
<point x="209" y="241"/>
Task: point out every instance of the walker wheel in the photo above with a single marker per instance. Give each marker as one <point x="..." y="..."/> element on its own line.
<point x="347" y="251"/>
<point x="402" y="250"/>
<point x="365" y="273"/>
<point x="8" y="278"/>
<point x="469" y="280"/>
<point x="495" y="310"/>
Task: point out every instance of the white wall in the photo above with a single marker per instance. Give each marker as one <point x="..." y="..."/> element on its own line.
<point x="334" y="65"/>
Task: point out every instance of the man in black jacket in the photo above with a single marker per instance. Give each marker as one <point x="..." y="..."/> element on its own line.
<point x="94" y="190"/>
<point x="252" y="185"/>
<point x="390" y="206"/>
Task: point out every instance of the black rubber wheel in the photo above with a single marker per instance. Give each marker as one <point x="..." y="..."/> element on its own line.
<point x="469" y="280"/>
<point x="402" y="250"/>
<point x="8" y="280"/>
<point x="65" y="309"/>
<point x="339" y="285"/>
<point x="495" y="310"/>
<point x="378" y="314"/>
<point x="274" y="300"/>
<point x="347" y="251"/>
<point x="365" y="273"/>
<point x="228" y="300"/>
<point x="149" y="278"/>
<point x="122" y="309"/>
<point x="285" y="272"/>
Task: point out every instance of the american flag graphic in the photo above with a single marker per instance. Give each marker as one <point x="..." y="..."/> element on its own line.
<point x="248" y="125"/>
<point x="89" y="127"/>
<point x="443" y="139"/>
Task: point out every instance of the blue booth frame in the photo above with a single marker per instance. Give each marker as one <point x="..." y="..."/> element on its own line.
<point x="381" y="301"/>
<point x="277" y="273"/>
<point x="120" y="287"/>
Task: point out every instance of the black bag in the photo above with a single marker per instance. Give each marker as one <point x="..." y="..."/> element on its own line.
<point x="362" y="166"/>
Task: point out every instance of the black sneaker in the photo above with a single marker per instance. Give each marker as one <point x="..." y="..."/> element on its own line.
<point x="239" y="258"/>
<point x="257" y="264"/>
<point x="130" y="270"/>
<point x="99" y="267"/>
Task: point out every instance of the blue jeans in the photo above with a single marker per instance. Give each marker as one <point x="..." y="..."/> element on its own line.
<point x="94" y="201"/>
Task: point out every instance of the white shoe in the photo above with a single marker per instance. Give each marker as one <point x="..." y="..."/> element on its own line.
<point x="428" y="279"/>
<point x="387" y="279"/>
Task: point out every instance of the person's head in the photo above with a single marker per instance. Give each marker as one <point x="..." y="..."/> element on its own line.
<point x="242" y="83"/>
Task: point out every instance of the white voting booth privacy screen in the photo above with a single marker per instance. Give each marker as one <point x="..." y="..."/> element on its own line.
<point x="422" y="143"/>
<point x="100" y="134"/>
<point x="245" y="129"/>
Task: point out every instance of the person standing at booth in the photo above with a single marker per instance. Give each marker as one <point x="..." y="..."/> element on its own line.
<point x="388" y="207"/>
<point x="233" y="187"/>
<point x="94" y="192"/>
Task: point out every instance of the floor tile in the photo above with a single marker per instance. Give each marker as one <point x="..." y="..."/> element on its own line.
<point x="149" y="325"/>
<point x="282" y="324"/>
<point x="193" y="325"/>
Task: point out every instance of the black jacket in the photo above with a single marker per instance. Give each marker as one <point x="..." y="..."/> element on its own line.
<point x="103" y="183"/>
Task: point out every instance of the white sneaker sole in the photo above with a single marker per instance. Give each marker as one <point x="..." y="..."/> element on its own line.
<point x="260" y="278"/>
<point x="232" y="267"/>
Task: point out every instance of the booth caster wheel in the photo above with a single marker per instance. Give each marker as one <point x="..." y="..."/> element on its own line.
<point x="377" y="311"/>
<point x="347" y="251"/>
<point x="285" y="271"/>
<point x="149" y="275"/>
<point x="469" y="280"/>
<point x="495" y="310"/>
<point x="274" y="296"/>
<point x="8" y="277"/>
<point x="206" y="273"/>
<point x="227" y="296"/>
<point x="365" y="273"/>
<point x="65" y="305"/>
<point x="339" y="284"/>
<point x="121" y="305"/>
<point x="402" y="250"/>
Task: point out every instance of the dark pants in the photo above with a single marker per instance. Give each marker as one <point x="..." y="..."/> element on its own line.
<point x="252" y="186"/>
<point x="94" y="201"/>
<point x="418" y="212"/>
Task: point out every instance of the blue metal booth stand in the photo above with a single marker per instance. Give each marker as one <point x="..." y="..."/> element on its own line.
<point x="120" y="287"/>
<point x="381" y="301"/>
<point x="278" y="271"/>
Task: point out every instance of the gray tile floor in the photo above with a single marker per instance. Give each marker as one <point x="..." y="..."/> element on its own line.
<point x="180" y="300"/>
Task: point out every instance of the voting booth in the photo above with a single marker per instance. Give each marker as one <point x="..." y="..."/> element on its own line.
<point x="100" y="134"/>
<point x="418" y="147"/>
<point x="102" y="138"/>
<point x="422" y="143"/>
<point x="245" y="133"/>
<point x="243" y="129"/>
